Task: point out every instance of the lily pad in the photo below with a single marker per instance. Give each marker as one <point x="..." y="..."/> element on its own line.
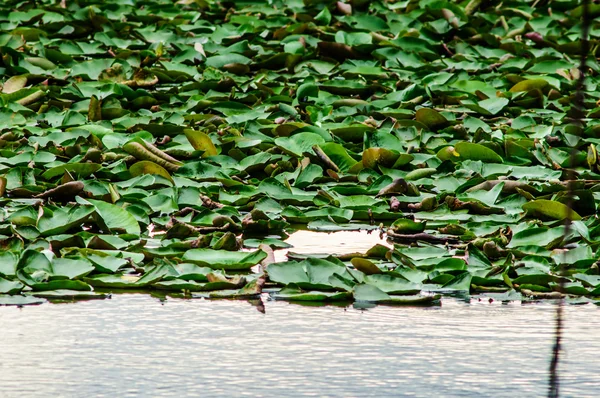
<point x="550" y="209"/>
<point x="21" y="300"/>
<point x="150" y="152"/>
<point x="471" y="151"/>
<point x="370" y="293"/>
<point x="431" y="118"/>
<point x="294" y="294"/>
<point x="217" y="259"/>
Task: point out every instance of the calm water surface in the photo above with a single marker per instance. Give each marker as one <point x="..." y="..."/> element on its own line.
<point x="136" y="345"/>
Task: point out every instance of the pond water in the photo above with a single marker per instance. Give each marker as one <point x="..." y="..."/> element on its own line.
<point x="135" y="345"/>
<point x="139" y="345"/>
<point x="309" y="242"/>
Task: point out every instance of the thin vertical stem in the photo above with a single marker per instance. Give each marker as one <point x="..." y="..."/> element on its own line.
<point x="579" y="104"/>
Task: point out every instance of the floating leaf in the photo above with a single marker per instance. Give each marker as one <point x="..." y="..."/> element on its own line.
<point x="431" y="118"/>
<point x="471" y="151"/>
<point x="489" y="107"/>
<point x="147" y="152"/>
<point x="14" y="84"/>
<point x="528" y="85"/>
<point x="21" y="300"/>
<point x="550" y="209"/>
<point x="114" y="218"/>
<point x="299" y="143"/>
<point x="147" y="167"/>
<point x="370" y="293"/>
<point x="379" y="156"/>
<point x="63" y="294"/>
<point x="461" y="282"/>
<point x="225" y="260"/>
<point x="10" y="287"/>
<point x="339" y="156"/>
<point x="79" y="169"/>
<point x="406" y="226"/>
<point x="201" y="141"/>
<point x="365" y="266"/>
<point x="392" y="285"/>
<point x="292" y="294"/>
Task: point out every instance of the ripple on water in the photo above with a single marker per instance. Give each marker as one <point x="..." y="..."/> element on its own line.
<point x="133" y="345"/>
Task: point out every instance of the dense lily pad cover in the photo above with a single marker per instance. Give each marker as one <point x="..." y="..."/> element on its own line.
<point x="170" y="146"/>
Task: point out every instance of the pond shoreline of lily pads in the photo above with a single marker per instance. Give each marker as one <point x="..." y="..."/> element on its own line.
<point x="364" y="279"/>
<point x="172" y="147"/>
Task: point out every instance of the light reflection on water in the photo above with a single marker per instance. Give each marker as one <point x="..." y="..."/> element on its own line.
<point x="134" y="345"/>
<point x="310" y="242"/>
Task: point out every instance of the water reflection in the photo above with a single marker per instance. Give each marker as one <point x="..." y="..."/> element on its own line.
<point x="132" y="345"/>
<point x="343" y="242"/>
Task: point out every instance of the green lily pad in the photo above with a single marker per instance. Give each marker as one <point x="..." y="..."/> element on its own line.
<point x="431" y="118"/>
<point x="218" y="259"/>
<point x="370" y="293"/>
<point x="147" y="167"/>
<point x="471" y="151"/>
<point x="294" y="294"/>
<point x="550" y="209"/>
<point x="114" y="218"/>
<point x="21" y="300"/>
<point x="10" y="287"/>
<point x="150" y="152"/>
<point x="63" y="294"/>
<point x="528" y="85"/>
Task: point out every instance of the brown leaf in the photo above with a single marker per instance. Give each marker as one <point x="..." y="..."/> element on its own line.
<point x="337" y="51"/>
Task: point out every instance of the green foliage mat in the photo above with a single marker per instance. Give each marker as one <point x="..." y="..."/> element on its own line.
<point x="144" y="144"/>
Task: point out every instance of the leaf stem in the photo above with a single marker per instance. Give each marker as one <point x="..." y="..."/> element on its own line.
<point x="579" y="104"/>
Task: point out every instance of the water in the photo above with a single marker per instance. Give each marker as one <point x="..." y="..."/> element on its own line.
<point x="134" y="345"/>
<point x="309" y="242"/>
